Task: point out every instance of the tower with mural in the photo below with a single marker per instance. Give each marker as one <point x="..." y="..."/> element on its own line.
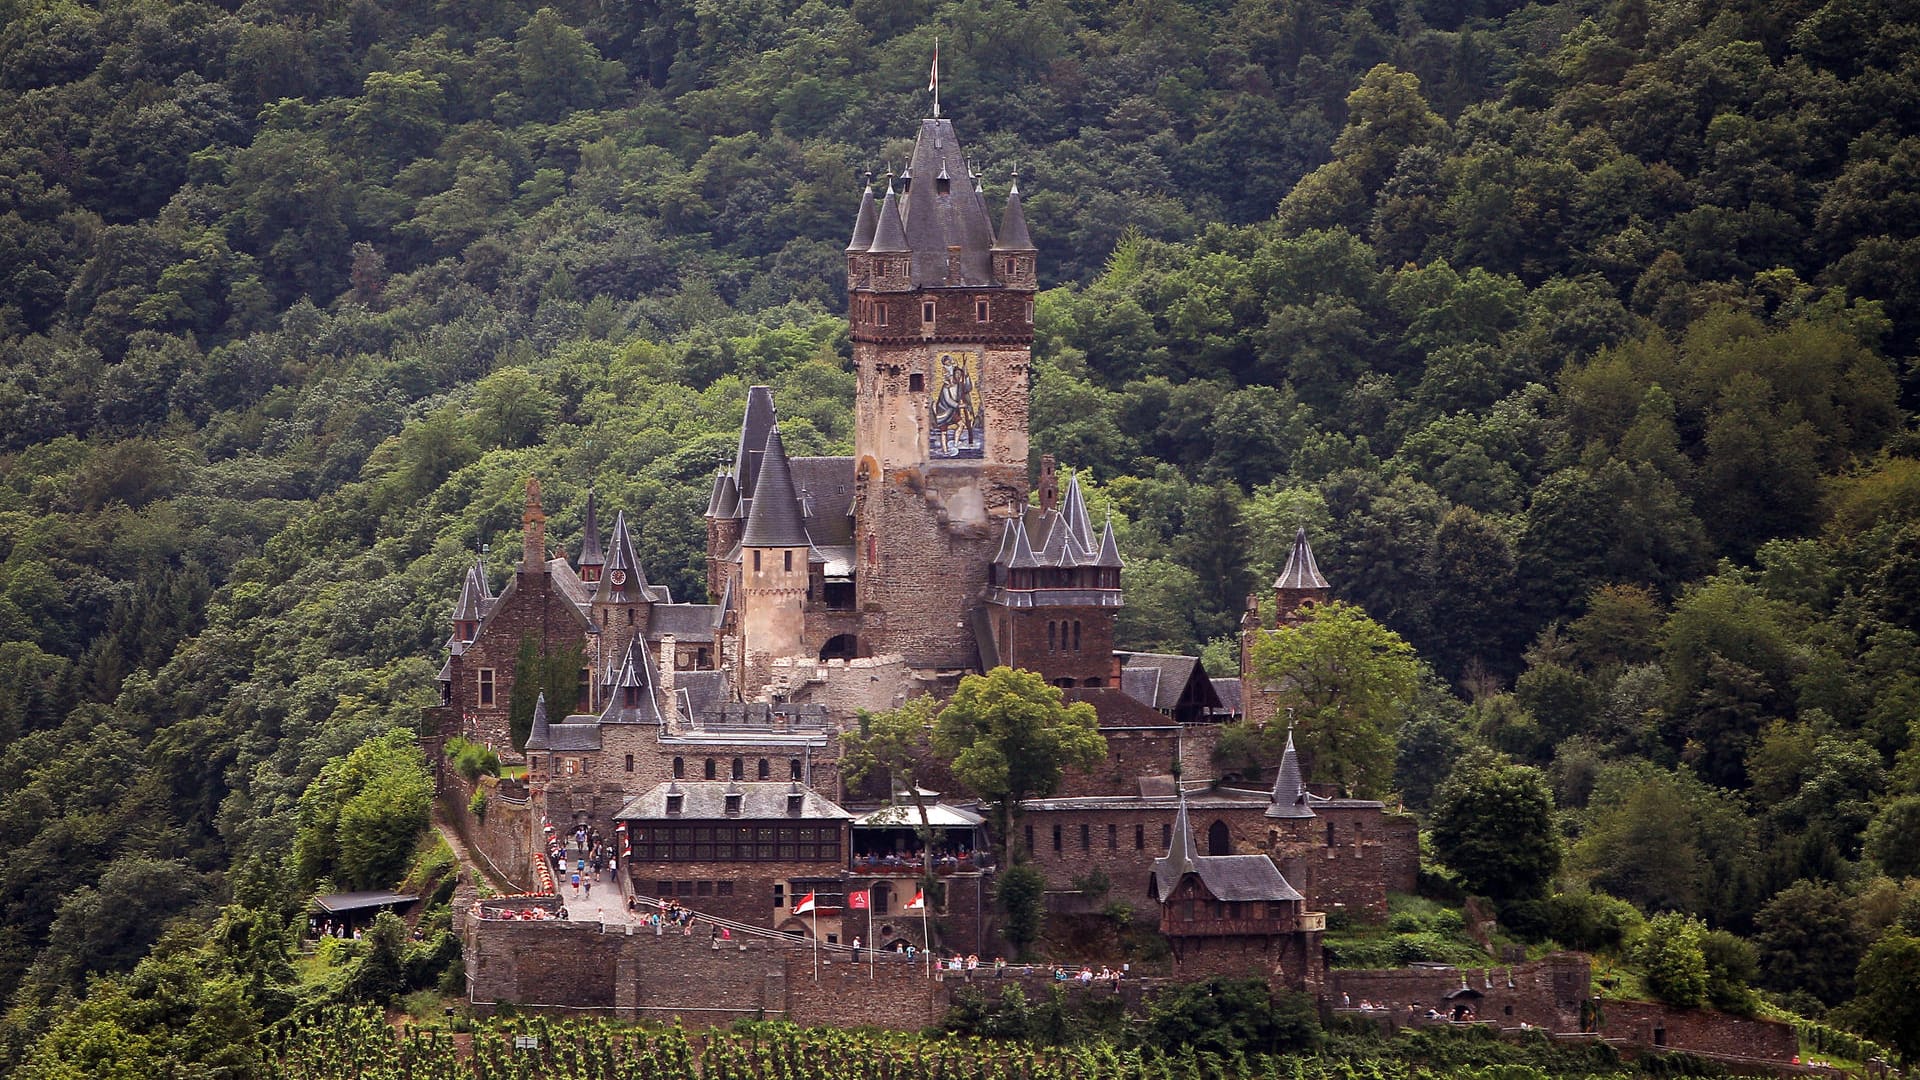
<point x="941" y="307"/>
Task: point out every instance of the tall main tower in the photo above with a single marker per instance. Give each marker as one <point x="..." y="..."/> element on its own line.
<point x="942" y="319"/>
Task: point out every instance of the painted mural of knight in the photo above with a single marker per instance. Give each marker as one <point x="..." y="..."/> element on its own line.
<point x="959" y="429"/>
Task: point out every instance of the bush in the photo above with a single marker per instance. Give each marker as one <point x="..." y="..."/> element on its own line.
<point x="477" y="805"/>
<point x="1591" y="921"/>
<point x="1669" y="953"/>
<point x="472" y="760"/>
<point x="1022" y="894"/>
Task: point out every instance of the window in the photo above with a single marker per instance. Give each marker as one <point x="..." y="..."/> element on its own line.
<point x="916" y="382"/>
<point x="684" y="888"/>
<point x="584" y="694"/>
<point x="766" y="770"/>
<point x="712" y="773"/>
<point x="663" y="888"/>
<point x="979" y="311"/>
<point x="739" y="769"/>
<point x="756" y="560"/>
<point x="1329" y="834"/>
<point x="793" y="769"/>
<point x="788" y="558"/>
<point x="1166" y="835"/>
<point x="1029" y="312"/>
<point x="486" y="686"/>
<point x="880" y="314"/>
<point x="1086" y="837"/>
<point x="779" y="895"/>
<point x="733" y="804"/>
<point x="675" y="802"/>
<point x="1029" y="839"/>
<point x="926" y="311"/>
<point x="1113" y="837"/>
<point x="679" y="768"/>
<point x="629" y="762"/>
<point x="1076" y="635"/>
<point x="1139" y="838"/>
<point x="1050" y="630"/>
<point x="1056" y="838"/>
<point x="629" y="616"/>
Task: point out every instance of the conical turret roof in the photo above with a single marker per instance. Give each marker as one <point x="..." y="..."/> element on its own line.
<point x="890" y="232"/>
<point x="942" y="215"/>
<point x="1290" y="787"/>
<point x="625" y="580"/>
<point x="754" y="426"/>
<point x="1073" y="507"/>
<point x="1300" y="572"/>
<point x="472" y="606"/>
<point x="868" y="219"/>
<point x="1178" y="861"/>
<point x="1109" y="557"/>
<point x="774" y="520"/>
<point x="540" y="737"/>
<point x="591" y="553"/>
<point x="1013" y="223"/>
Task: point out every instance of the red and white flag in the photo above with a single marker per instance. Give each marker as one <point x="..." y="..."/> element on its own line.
<point x="804" y="906"/>
<point x="919" y="901"/>
<point x="857" y="900"/>
<point x="933" y="76"/>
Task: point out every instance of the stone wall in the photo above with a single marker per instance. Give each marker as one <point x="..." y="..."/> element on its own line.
<point x="1700" y="1031"/>
<point x="741" y="891"/>
<point x="1040" y="639"/>
<point x="845" y="687"/>
<point x="1546" y="993"/>
<point x="529" y="608"/>
<point x="504" y="840"/>
<point x="1346" y="859"/>
<point x="1140" y="742"/>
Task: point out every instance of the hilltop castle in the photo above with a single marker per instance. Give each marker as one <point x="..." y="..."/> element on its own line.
<point x="712" y="730"/>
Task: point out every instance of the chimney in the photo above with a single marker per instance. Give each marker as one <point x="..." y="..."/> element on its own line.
<point x="1049" y="484"/>
<point x="533" y="531"/>
<point x="668" y="657"/>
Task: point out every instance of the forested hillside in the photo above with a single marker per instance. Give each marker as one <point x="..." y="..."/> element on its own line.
<point x="1579" y="335"/>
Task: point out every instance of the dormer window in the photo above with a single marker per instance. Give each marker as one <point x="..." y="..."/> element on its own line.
<point x="733" y="804"/>
<point x="795" y="803"/>
<point x="676" y="803"/>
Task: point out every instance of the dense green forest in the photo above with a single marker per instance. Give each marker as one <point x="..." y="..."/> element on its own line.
<point x="1580" y="335"/>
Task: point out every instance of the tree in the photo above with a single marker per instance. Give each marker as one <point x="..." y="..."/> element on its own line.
<point x="894" y="743"/>
<point x="1012" y="737"/>
<point x="1349" y="682"/>
<point x="1670" y="955"/>
<point x="1887" y="1005"/>
<point x="1232" y="1016"/>
<point x="359" y="818"/>
<point x="1021" y="894"/>
<point x="1891" y="838"/>
<point x="555" y="674"/>
<point x="1493" y="822"/>
<point x="1808" y="942"/>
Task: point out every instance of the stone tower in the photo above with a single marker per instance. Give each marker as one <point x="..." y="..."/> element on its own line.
<point x="1298" y="588"/>
<point x="942" y="327"/>
<point x="774" y="568"/>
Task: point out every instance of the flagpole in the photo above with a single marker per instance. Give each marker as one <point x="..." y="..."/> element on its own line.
<point x="873" y="954"/>
<point x="935" y="80"/>
<point x="815" y="912"/>
<point x="926" y="932"/>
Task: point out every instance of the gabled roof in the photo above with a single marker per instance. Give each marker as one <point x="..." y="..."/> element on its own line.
<point x="1243" y="877"/>
<point x="1300" y="572"/>
<point x="755" y="425"/>
<point x="903" y="816"/>
<point x="943" y="212"/>
<point x="472" y="606"/>
<point x="635" y="670"/>
<point x="775" y="519"/>
<point x="1013" y="222"/>
<point x="1290" y="797"/>
<point x="760" y="800"/>
<point x="868" y="218"/>
<point x="1174" y="676"/>
<point x="691" y="623"/>
<point x="700" y="692"/>
<point x="590" y="551"/>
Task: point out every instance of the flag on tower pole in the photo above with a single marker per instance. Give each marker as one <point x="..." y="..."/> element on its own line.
<point x="802" y="908"/>
<point x="933" y="78"/>
<point x="919" y="903"/>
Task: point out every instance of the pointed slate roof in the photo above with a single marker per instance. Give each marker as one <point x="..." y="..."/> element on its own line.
<point x="624" y="559"/>
<point x="590" y="550"/>
<point x="1178" y="861"/>
<point x="890" y="232"/>
<point x="941" y="215"/>
<point x="1290" y="799"/>
<point x="540" y="737"/>
<point x="1109" y="557"/>
<point x="472" y="606"/>
<point x="1300" y="572"/>
<point x="775" y="519"/>
<point x="1073" y="507"/>
<point x="868" y="219"/>
<point x="1013" y="222"/>
<point x="754" y="426"/>
<point x="719" y="497"/>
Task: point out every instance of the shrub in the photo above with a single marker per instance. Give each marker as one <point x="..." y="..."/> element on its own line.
<point x="1591" y="921"/>
<point x="477" y="806"/>
<point x="1669" y="952"/>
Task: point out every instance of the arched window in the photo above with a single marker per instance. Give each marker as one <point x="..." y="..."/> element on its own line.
<point x="1076" y="635"/>
<point x="679" y="768"/>
<point x="766" y="769"/>
<point x="711" y="774"/>
<point x="1219" y="840"/>
<point x="739" y="769"/>
<point x="1050" y="632"/>
<point x="793" y="769"/>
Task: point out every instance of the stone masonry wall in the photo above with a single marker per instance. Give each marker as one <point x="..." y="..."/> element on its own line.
<point x="1546" y="993"/>
<point x="504" y="839"/>
<point x="1140" y="742"/>
<point x="1367" y="854"/>
<point x="1647" y="1023"/>
<point x="532" y="609"/>
<point x="875" y="683"/>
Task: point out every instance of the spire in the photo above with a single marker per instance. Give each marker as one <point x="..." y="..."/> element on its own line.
<point x="890" y="232"/>
<point x="718" y="496"/>
<point x="472" y="606"/>
<point x="1109" y="557"/>
<point x="1301" y="571"/>
<point x="1073" y="507"/>
<point x="759" y="420"/>
<point x="1290" y="787"/>
<point x="625" y="580"/>
<point x="774" y="520"/>
<point x="539" y="738"/>
<point x="864" y="224"/>
<point x="1013" y="222"/>
<point x="590" y="552"/>
<point x="1179" y="859"/>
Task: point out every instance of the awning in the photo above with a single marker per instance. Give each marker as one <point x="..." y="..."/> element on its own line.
<point x="337" y="903"/>
<point x="939" y="816"/>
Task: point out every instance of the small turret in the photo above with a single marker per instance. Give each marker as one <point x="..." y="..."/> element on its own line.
<point x="539" y="737"/>
<point x="1013" y="252"/>
<point x="1290" y="787"/>
<point x="1299" y="585"/>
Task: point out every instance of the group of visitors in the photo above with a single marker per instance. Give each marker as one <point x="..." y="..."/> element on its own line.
<point x="328" y="928"/>
<point x="1462" y="1013"/>
<point x="944" y="858"/>
<point x="1087" y="976"/>
<point x="668" y="913"/>
<point x="593" y="860"/>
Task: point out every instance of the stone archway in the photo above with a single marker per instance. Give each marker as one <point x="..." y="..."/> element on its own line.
<point x="1219" y="839"/>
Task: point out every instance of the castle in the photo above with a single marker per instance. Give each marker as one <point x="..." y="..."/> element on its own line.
<point x="710" y="733"/>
